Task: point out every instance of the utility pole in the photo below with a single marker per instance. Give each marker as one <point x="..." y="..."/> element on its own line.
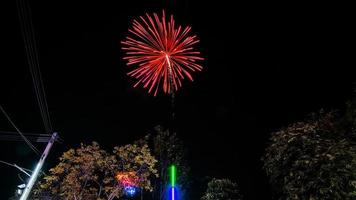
<point x="35" y="173"/>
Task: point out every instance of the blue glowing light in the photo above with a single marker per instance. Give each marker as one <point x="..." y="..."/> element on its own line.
<point x="130" y="190"/>
<point x="173" y="193"/>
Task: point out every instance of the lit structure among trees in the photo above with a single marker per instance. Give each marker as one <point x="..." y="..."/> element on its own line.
<point x="168" y="150"/>
<point x="173" y="192"/>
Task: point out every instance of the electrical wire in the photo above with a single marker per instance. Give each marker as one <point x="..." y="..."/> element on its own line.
<point x="28" y="34"/>
<point x="18" y="130"/>
<point x="26" y="134"/>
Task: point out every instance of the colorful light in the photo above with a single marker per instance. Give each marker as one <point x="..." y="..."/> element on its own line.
<point x="173" y="174"/>
<point x="130" y="190"/>
<point x="172" y="193"/>
<point x="129" y="181"/>
<point x="162" y="53"/>
<point x="173" y="178"/>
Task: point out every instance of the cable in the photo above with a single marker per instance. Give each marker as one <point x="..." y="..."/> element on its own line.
<point x="44" y="104"/>
<point x="36" y="72"/>
<point x="19" y="175"/>
<point x="28" y="35"/>
<point x="26" y="41"/>
<point x="29" y="52"/>
<point x="23" y="137"/>
<point x="26" y="134"/>
<point x="34" y="137"/>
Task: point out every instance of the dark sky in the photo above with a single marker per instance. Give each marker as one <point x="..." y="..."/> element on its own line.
<point x="266" y="65"/>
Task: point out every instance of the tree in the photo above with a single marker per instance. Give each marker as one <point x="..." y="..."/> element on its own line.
<point x="137" y="158"/>
<point x="91" y="173"/>
<point x="313" y="159"/>
<point x="169" y="149"/>
<point x="80" y="174"/>
<point x="222" y="189"/>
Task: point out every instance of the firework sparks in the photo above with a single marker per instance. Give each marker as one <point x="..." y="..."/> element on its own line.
<point x="161" y="53"/>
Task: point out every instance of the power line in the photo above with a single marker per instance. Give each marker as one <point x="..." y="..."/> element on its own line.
<point x="27" y="30"/>
<point x="26" y="134"/>
<point x="16" y="138"/>
<point x="19" y="132"/>
<point x="34" y="137"/>
<point x="29" y="36"/>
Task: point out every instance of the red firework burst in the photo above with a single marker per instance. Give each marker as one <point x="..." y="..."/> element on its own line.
<point x="162" y="54"/>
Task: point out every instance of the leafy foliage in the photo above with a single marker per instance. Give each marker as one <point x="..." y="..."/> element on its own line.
<point x="312" y="160"/>
<point x="222" y="189"/>
<point x="137" y="158"/>
<point x="348" y="121"/>
<point x="79" y="174"/>
<point x="89" y="172"/>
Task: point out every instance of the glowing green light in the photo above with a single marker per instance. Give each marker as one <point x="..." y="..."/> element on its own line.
<point x="173" y="175"/>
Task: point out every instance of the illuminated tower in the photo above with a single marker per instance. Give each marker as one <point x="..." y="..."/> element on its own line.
<point x="172" y="187"/>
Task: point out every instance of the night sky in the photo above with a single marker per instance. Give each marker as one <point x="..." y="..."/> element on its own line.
<point x="267" y="65"/>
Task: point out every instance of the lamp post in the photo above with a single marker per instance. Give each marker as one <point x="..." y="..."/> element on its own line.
<point x="37" y="170"/>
